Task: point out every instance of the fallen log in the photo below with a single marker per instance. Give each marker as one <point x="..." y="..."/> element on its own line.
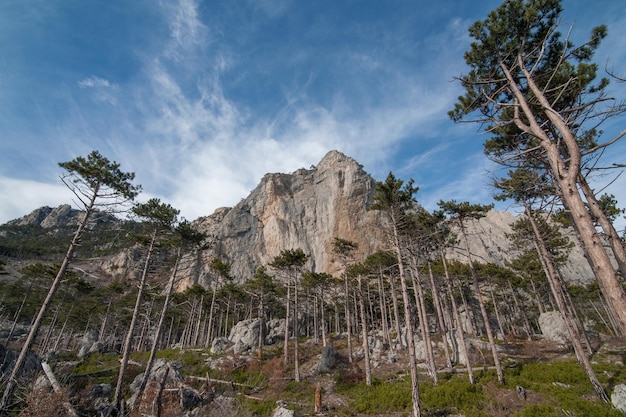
<point x="56" y="387"/>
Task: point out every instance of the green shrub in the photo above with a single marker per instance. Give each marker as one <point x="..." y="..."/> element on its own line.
<point x="454" y="395"/>
<point x="379" y="398"/>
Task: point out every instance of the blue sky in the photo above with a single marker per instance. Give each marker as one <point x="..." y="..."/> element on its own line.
<point x="202" y="98"/>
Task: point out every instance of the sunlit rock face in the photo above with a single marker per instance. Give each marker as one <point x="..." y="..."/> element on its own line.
<point x="487" y="238"/>
<point x="306" y="209"/>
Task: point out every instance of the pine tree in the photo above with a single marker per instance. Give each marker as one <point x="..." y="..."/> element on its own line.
<point x="98" y="184"/>
<point x="536" y="94"/>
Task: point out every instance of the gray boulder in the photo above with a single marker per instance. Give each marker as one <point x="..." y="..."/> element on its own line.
<point x="283" y="412"/>
<point x="245" y="334"/>
<point x="553" y="327"/>
<point x="87" y="342"/>
<point x="618" y="397"/>
<point x="219" y="345"/>
<point x="328" y="360"/>
<point x="275" y="331"/>
<point x="157" y="374"/>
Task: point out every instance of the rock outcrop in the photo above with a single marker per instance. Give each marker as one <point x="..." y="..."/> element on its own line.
<point x="305" y="209"/>
<point x="59" y="217"/>
<point x="488" y="241"/>
<point x="308" y="208"/>
<point x="553" y="327"/>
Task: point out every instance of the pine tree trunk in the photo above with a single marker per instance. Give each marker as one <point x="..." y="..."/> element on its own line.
<point x="418" y="293"/>
<point x="286" y="342"/>
<point x="567" y="176"/>
<point x="347" y="311"/>
<point x="440" y="320"/>
<point x="211" y="314"/>
<point x="497" y="311"/>
<point x="615" y="242"/>
<point x="457" y="318"/>
<point x="537" y="297"/>
<point x="383" y="308"/>
<point x="117" y="398"/>
<point x="366" y="346"/>
<point x="407" y="321"/>
<point x="396" y="310"/>
<point x="483" y="310"/>
<point x="159" y="328"/>
<point x="295" y="333"/>
<point x="557" y="291"/>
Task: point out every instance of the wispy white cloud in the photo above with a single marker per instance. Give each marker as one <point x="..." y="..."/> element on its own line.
<point x="93" y="82"/>
<point x="187" y="32"/>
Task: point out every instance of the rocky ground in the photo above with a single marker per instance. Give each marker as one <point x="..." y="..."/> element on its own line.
<point x="241" y="384"/>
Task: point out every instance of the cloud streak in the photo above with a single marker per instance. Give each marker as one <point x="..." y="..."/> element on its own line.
<point x="218" y="96"/>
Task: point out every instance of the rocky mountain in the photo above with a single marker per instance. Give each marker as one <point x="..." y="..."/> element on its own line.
<point x="59" y="217"/>
<point x="309" y="207"/>
<point x="306" y="209"/>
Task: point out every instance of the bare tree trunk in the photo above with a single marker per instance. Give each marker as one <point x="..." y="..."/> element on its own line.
<point x="286" y="343"/>
<point x="615" y="242"/>
<point x="57" y="388"/>
<point x="159" y="328"/>
<point x="440" y="320"/>
<point x="347" y="311"/>
<point x="415" y="398"/>
<point x="105" y="321"/>
<point x="383" y="308"/>
<point x="537" y="297"/>
<point x="18" y="312"/>
<point x="117" y="398"/>
<point x="56" y="344"/>
<point x="197" y="332"/>
<point x="396" y="310"/>
<point x="483" y="310"/>
<point x="418" y="293"/>
<point x="211" y="313"/>
<point x="557" y="291"/>
<point x="322" y="308"/>
<point x="497" y="311"/>
<point x="366" y="346"/>
<point x="457" y="318"/>
<point x="261" y="327"/>
<point x="295" y="332"/>
<point x="519" y="310"/>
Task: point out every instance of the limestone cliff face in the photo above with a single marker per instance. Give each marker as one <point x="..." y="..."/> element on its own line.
<point x="305" y="209"/>
<point x="309" y="207"/>
<point x="489" y="244"/>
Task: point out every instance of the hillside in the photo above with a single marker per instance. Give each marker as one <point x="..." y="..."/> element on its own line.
<point x="209" y="341"/>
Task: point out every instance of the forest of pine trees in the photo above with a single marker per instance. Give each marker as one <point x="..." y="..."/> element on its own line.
<point x="412" y="298"/>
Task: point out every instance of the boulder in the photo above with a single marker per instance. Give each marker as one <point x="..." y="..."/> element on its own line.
<point x="618" y="397"/>
<point x="553" y="327"/>
<point x="275" y="331"/>
<point x="86" y="343"/>
<point x="220" y="345"/>
<point x="157" y="375"/>
<point x="283" y="412"/>
<point x="328" y="360"/>
<point x="245" y="334"/>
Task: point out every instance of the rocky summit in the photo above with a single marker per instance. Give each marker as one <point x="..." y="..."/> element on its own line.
<point x="305" y="209"/>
